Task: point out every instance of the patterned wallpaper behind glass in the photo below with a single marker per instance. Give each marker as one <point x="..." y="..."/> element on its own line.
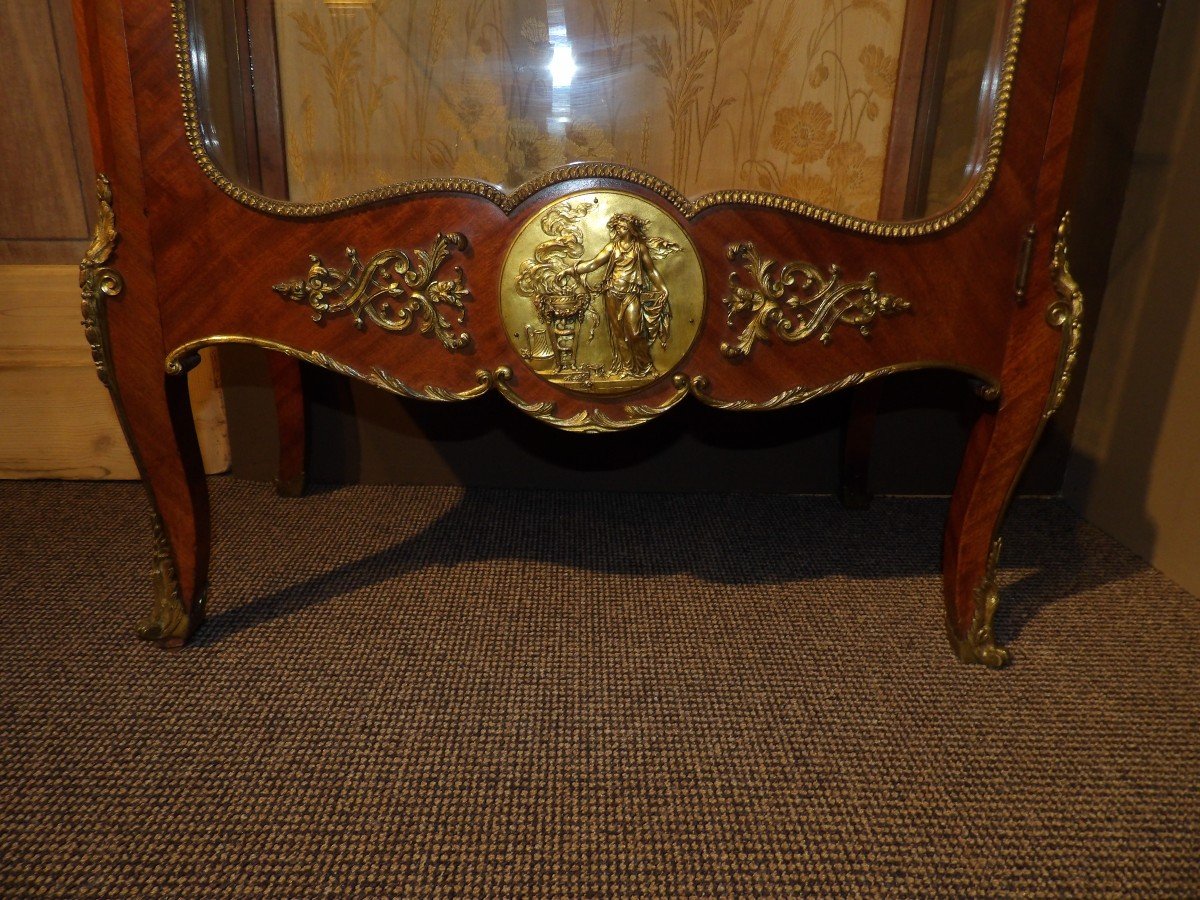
<point x="792" y="96"/>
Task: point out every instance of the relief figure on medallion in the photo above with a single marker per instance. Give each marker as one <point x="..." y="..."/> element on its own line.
<point x="602" y="293"/>
<point x="636" y="300"/>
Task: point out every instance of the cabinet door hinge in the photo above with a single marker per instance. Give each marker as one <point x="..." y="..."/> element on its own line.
<point x="1025" y="263"/>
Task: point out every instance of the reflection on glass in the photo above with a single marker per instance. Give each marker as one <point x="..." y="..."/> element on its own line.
<point x="953" y="162"/>
<point x="777" y="95"/>
<point x="219" y="90"/>
<point x="795" y="97"/>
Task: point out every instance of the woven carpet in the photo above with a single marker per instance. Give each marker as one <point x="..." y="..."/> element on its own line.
<point x="433" y="692"/>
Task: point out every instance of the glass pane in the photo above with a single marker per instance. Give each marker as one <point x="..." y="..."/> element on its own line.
<point x="952" y="162"/>
<point x="791" y="97"/>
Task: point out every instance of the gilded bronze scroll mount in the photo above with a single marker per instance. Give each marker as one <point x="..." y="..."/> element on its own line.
<point x="798" y="302"/>
<point x="390" y="290"/>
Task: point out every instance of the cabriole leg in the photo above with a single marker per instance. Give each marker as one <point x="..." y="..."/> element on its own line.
<point x="858" y="434"/>
<point x="164" y="432"/>
<point x="288" y="389"/>
<point x="996" y="453"/>
<point x="1000" y="444"/>
<point x="155" y="413"/>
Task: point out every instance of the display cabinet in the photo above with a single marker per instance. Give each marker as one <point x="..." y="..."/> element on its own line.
<point x="598" y="210"/>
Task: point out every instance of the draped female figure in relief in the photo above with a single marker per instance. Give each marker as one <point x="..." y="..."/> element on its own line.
<point x="636" y="299"/>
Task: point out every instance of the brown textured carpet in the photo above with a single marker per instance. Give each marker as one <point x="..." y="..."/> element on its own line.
<point x="434" y="693"/>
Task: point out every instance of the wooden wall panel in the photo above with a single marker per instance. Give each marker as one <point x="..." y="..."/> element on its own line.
<point x="45" y="166"/>
<point x="58" y="419"/>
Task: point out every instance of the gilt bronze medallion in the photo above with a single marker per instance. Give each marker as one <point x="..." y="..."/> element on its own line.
<point x="602" y="293"/>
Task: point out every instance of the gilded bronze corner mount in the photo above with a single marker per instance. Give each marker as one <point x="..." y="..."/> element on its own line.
<point x="99" y="282"/>
<point x="1065" y="314"/>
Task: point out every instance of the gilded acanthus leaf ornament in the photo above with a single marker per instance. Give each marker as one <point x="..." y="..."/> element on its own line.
<point x="390" y="290"/>
<point x="168" y="621"/>
<point x="97" y="281"/>
<point x="1066" y="314"/>
<point x="701" y="390"/>
<point x="593" y="420"/>
<point x="980" y="643"/>
<point x="798" y="302"/>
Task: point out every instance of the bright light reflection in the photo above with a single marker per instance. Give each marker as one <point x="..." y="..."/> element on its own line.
<point x="562" y="66"/>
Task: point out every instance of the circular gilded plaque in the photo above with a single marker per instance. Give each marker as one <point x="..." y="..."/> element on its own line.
<point x="602" y="293"/>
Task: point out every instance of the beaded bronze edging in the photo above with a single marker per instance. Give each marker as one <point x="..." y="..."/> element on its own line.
<point x="688" y="208"/>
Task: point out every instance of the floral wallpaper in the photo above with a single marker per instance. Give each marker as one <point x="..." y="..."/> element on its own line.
<point x="789" y="96"/>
